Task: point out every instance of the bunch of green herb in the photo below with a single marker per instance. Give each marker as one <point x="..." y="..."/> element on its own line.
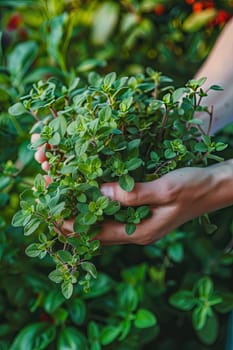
<point x="110" y="129"/>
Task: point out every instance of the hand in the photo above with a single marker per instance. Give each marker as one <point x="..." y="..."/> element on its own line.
<point x="174" y="199"/>
<point x="41" y="158"/>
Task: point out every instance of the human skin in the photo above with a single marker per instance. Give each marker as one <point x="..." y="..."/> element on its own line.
<point x="186" y="193"/>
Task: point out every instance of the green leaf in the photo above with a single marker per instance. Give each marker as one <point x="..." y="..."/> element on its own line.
<point x="133" y="164"/>
<point x="143" y="211"/>
<point x="104" y="22"/>
<point x="169" y="154"/>
<point x="130" y="228"/>
<point x="33" y="250"/>
<point x="90" y="64"/>
<point x="112" y="208"/>
<point x="126" y="182"/>
<point x="178" y="93"/>
<point x="67" y="289"/>
<point x="55" y="139"/>
<point x="53" y="300"/>
<point x="31" y="227"/>
<point x="183" y="300"/>
<point x="199" y="317"/>
<point x="65" y="256"/>
<point x="90" y="268"/>
<point x="54" y="35"/>
<point x="109" y="79"/>
<point x="209" y="333"/>
<point x="17" y="109"/>
<point x="77" y="311"/>
<point x="109" y="334"/>
<point x="220" y="146"/>
<point x="71" y="339"/>
<point x="175" y="251"/>
<point x="56" y="276"/>
<point x="35" y="336"/>
<point x="93" y="330"/>
<point x="144" y="319"/>
<point x="128" y="298"/>
<point x="89" y="219"/>
<point x="18" y="219"/>
<point x="204" y="286"/>
<point x="200" y="147"/>
<point x="216" y="87"/>
<point x="21" y="58"/>
<point x="197" y="20"/>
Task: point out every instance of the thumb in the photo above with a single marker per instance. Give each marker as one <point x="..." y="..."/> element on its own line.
<point x="143" y="193"/>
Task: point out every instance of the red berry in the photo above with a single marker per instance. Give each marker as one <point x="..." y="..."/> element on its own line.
<point x="159" y="10"/>
<point x="197" y="7"/>
<point x="14" y="22"/>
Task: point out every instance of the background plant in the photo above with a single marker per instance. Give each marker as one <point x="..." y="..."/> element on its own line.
<point x="61" y="42"/>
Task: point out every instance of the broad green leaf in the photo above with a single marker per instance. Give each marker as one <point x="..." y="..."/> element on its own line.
<point x="17" y="109"/>
<point x="77" y="311"/>
<point x="216" y="87"/>
<point x="90" y="268"/>
<point x="104" y="22"/>
<point x="126" y="182"/>
<point x="197" y="20"/>
<point x="90" y="64"/>
<point x="65" y="255"/>
<point x="4" y="181"/>
<point x="144" y="319"/>
<point x="36" y="335"/>
<point x="112" y="208"/>
<point x="67" y="289"/>
<point x="220" y="146"/>
<point x="204" y="287"/>
<point x="21" y="58"/>
<point x="209" y="333"/>
<point x="133" y="164"/>
<point x="71" y="339"/>
<point x="143" y="211"/>
<point x="54" y="36"/>
<point x="128" y="298"/>
<point x="199" y="317"/>
<point x="109" y="334"/>
<point x="56" y="276"/>
<point x="175" y="251"/>
<point x="31" y="227"/>
<point x="18" y="219"/>
<point x="53" y="300"/>
<point x="33" y="250"/>
<point x="130" y="228"/>
<point x="183" y="300"/>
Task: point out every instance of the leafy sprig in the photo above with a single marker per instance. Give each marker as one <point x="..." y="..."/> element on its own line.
<point x="109" y="129"/>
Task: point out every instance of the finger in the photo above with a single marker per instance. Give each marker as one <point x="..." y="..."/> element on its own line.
<point x="162" y="221"/>
<point x="48" y="180"/>
<point x="45" y="165"/>
<point x="68" y="226"/>
<point x="35" y="137"/>
<point x="40" y="156"/>
<point x="151" y="193"/>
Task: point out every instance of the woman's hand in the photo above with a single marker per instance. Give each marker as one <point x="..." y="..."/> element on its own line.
<point x="174" y="199"/>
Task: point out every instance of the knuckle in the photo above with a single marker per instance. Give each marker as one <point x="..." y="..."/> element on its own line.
<point x="147" y="239"/>
<point x="171" y="190"/>
<point x="129" y="198"/>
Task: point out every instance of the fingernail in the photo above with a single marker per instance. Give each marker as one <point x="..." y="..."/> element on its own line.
<point x="107" y="191"/>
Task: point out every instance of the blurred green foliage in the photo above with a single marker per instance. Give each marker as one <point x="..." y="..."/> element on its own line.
<point x="137" y="287"/>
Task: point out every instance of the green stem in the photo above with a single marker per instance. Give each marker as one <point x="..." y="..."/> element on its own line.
<point x="17" y="126"/>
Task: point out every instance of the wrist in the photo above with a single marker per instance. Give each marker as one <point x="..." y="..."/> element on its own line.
<point x="220" y="187"/>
